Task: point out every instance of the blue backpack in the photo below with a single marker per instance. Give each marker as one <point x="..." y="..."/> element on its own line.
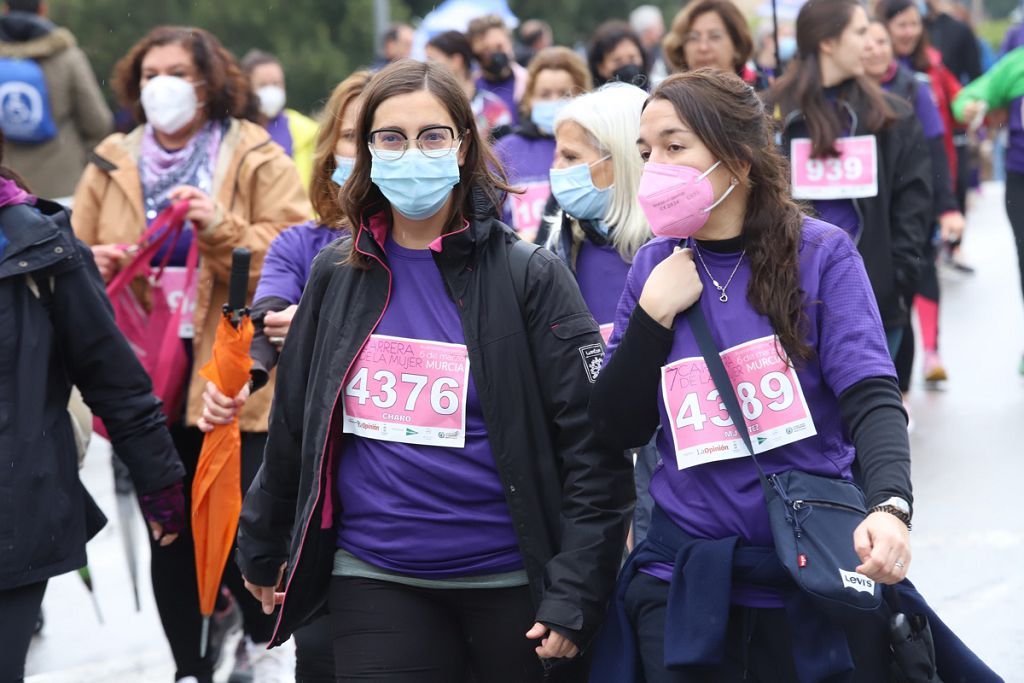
<point x="25" y="114"/>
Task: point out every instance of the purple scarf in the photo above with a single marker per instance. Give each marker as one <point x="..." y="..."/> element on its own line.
<point x="161" y="170"/>
<point x="11" y="194"/>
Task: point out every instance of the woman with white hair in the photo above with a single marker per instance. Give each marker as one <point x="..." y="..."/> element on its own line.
<point x="598" y="225"/>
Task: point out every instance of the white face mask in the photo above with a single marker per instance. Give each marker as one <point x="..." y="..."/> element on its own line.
<point x="272" y="99"/>
<point x="170" y="103"/>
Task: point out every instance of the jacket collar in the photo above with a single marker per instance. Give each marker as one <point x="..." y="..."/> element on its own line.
<point x="32" y="37"/>
<point x="34" y="241"/>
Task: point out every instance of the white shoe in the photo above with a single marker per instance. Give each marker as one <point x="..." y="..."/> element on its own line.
<point x="188" y="679"/>
<point x="271" y="666"/>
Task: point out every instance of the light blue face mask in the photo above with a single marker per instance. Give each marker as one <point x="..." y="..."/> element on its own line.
<point x="344" y="169"/>
<point x="787" y="48"/>
<point x="574" y="189"/>
<point x="416" y="185"/>
<point x="543" y="114"/>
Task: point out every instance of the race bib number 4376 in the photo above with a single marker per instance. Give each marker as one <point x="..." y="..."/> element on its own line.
<point x="769" y="394"/>
<point x="408" y="390"/>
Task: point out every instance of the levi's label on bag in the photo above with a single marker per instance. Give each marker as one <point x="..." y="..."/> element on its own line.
<point x="851" y="175"/>
<point x="528" y="208"/>
<point x="172" y="282"/>
<point x="770" y="397"/>
<point x="408" y="390"/>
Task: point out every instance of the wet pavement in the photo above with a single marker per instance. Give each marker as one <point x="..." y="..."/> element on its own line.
<point x="968" y="537"/>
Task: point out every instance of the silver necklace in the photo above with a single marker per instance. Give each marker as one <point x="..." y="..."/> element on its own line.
<point x="723" y="297"/>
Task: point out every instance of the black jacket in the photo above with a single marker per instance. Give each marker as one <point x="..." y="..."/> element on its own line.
<point x="65" y="336"/>
<point x="569" y="498"/>
<point x="958" y="45"/>
<point x="894" y="223"/>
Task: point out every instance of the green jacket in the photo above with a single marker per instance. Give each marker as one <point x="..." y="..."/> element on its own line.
<point x="997" y="87"/>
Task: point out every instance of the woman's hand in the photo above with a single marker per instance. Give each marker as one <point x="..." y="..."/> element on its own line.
<point x="882" y="542"/>
<point x="219" y="409"/>
<point x="672" y="287"/>
<point x="109" y="258"/>
<point x="276" y="324"/>
<point x="973" y="110"/>
<point x="269" y="596"/>
<point x="951" y="226"/>
<point x="202" y="209"/>
<point x="553" y="645"/>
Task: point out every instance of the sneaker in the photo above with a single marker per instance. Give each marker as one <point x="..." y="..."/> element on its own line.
<point x="223" y="624"/>
<point x="271" y="666"/>
<point x="934" y="371"/>
<point x="242" y="671"/>
<point x="188" y="679"/>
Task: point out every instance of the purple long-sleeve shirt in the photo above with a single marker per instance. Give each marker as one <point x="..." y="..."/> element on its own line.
<point x="289" y="260"/>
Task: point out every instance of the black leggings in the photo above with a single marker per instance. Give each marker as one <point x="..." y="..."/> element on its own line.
<point x="173" y="568"/>
<point x="391" y="633"/>
<point x="19" y="610"/>
<point x="758" y="647"/>
<point x="1015" y="212"/>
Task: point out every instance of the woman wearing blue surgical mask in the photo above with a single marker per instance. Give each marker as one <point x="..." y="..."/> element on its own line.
<point x="597" y="225"/>
<point x="555" y="75"/>
<point x="431" y="474"/>
<point x="282" y="281"/>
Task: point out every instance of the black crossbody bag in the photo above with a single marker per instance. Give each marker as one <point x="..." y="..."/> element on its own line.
<point x="812" y="517"/>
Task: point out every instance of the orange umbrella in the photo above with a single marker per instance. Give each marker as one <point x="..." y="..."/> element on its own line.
<point x="217" y="486"/>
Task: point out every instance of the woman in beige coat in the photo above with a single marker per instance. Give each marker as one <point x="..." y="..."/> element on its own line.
<point x="242" y="191"/>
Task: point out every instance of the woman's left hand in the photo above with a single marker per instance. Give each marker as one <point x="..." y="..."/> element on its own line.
<point x="202" y="210"/>
<point x="553" y="645"/>
<point x="882" y="542"/>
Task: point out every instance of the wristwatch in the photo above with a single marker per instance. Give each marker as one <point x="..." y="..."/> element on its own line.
<point x="897" y="507"/>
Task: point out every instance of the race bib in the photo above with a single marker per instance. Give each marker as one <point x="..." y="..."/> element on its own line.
<point x="528" y="209"/>
<point x="851" y="175"/>
<point x="408" y="390"/>
<point x="606" y="332"/>
<point x="769" y="394"/>
<point x="173" y="284"/>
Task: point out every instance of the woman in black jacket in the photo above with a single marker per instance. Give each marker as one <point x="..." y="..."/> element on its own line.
<point x="857" y="153"/>
<point x="443" y="494"/>
<point x="58" y="330"/>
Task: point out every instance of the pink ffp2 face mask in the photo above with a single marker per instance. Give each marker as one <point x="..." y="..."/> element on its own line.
<point x="677" y="200"/>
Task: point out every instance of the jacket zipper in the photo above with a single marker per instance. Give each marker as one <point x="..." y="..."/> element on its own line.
<point x="323" y="453"/>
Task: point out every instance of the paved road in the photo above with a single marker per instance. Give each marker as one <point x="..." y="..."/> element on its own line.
<point x="968" y="475"/>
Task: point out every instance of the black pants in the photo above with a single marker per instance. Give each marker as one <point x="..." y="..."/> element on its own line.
<point x="173" y="568"/>
<point x="1015" y="212"/>
<point x="758" y="643"/>
<point x="390" y="633"/>
<point x="19" y="609"/>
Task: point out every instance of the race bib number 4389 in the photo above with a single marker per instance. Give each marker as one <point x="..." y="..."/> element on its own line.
<point x="769" y="394"/>
<point x="408" y="390"/>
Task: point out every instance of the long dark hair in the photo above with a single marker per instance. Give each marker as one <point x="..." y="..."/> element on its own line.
<point x="228" y="92"/>
<point x="886" y="11"/>
<point x="801" y="88"/>
<point x="361" y="198"/>
<point x="606" y="38"/>
<point x="727" y="116"/>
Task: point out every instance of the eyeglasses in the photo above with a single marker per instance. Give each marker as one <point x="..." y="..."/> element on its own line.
<point x="712" y="37"/>
<point x="435" y="142"/>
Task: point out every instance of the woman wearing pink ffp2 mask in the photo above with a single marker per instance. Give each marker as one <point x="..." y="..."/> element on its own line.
<point x="789" y="305"/>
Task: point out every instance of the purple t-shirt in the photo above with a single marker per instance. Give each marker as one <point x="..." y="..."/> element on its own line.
<point x="289" y="260"/>
<point x="425" y="511"/>
<point x="723" y="498"/>
<point x="1015" y="151"/>
<point x="841" y="213"/>
<point x="506" y="90"/>
<point x="601" y="275"/>
<point x="280" y="132"/>
<point x="527" y="161"/>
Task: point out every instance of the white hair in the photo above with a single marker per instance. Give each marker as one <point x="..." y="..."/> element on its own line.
<point x="645" y="17"/>
<point x="611" y="118"/>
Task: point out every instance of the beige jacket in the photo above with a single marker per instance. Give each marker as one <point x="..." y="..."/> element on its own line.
<point x="258" y="194"/>
<point x="52" y="168"/>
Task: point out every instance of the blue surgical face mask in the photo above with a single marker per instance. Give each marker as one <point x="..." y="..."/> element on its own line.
<point x="344" y="169"/>
<point x="787" y="48"/>
<point x="543" y="114"/>
<point x="574" y="190"/>
<point x="417" y="186"/>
